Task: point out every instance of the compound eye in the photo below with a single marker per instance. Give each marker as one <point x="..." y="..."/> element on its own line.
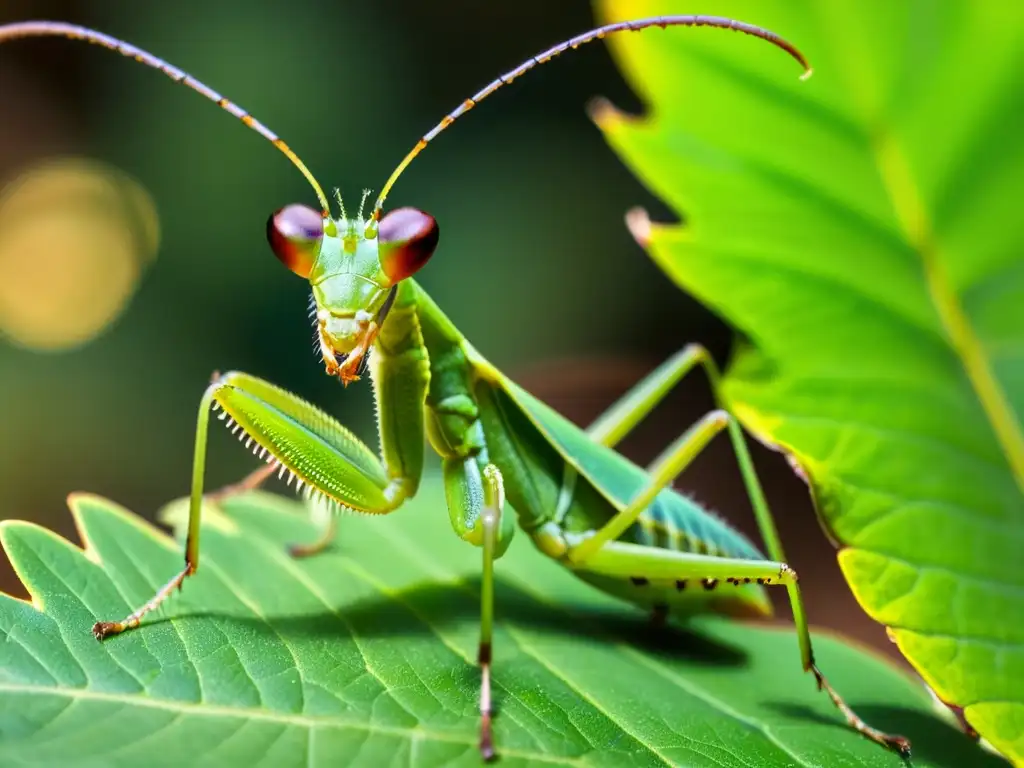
<point x="295" y="233"/>
<point x="407" y="237"/>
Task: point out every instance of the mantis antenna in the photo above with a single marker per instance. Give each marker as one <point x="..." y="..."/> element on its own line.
<point x="75" y="32"/>
<point x="574" y="43"/>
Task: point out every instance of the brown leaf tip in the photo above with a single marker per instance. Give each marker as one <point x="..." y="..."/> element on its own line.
<point x="639" y="225"/>
<point x="601" y="111"/>
<point x="797" y="467"/>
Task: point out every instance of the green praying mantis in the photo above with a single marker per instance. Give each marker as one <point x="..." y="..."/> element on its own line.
<point x="617" y="526"/>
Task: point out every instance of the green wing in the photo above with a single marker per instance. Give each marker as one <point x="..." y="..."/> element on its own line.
<point x="546" y="441"/>
<point x="534" y="445"/>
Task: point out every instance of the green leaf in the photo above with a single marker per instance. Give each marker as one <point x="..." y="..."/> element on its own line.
<point x="862" y="230"/>
<point x="365" y="656"/>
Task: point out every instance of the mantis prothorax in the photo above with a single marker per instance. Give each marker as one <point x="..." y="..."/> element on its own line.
<point x="617" y="526"/>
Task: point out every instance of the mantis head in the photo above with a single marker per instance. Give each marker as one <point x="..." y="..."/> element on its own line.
<point x="353" y="266"/>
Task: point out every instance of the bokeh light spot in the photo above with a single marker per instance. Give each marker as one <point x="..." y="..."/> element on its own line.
<point x="76" y="236"/>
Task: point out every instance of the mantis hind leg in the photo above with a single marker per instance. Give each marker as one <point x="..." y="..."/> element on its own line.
<point x="770" y="535"/>
<point x="612" y="426"/>
<point x="619" y="420"/>
<point x="650" y="564"/>
<point x="603" y="554"/>
<point x="623" y="416"/>
<point x="663" y="471"/>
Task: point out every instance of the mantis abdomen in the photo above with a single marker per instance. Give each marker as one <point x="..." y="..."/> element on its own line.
<point x="551" y="472"/>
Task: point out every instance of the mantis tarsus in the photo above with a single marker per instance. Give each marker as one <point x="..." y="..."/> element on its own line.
<point x="615" y="525"/>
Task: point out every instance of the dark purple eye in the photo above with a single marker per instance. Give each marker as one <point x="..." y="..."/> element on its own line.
<point x="408" y="237"/>
<point x="295" y="233"/>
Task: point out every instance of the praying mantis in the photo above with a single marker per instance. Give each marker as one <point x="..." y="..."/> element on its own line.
<point x="615" y="525"/>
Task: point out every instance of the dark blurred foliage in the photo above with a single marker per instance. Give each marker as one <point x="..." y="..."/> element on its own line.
<point x="535" y="265"/>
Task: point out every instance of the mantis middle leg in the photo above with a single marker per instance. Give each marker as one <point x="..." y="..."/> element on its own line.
<point x="623" y="416"/>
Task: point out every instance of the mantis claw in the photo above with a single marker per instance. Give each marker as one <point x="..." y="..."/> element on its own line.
<point x="486" y="739"/>
<point x="895" y="742"/>
<point x="101" y="630"/>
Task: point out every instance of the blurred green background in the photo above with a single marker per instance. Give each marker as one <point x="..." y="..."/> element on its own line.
<point x="535" y="264"/>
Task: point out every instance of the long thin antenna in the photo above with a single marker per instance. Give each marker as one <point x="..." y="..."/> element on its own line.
<point x="75" y="32"/>
<point x="576" y="42"/>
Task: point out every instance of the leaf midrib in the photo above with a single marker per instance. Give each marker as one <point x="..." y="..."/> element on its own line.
<point x="905" y="198"/>
<point x="204" y="709"/>
<point x="911" y="214"/>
